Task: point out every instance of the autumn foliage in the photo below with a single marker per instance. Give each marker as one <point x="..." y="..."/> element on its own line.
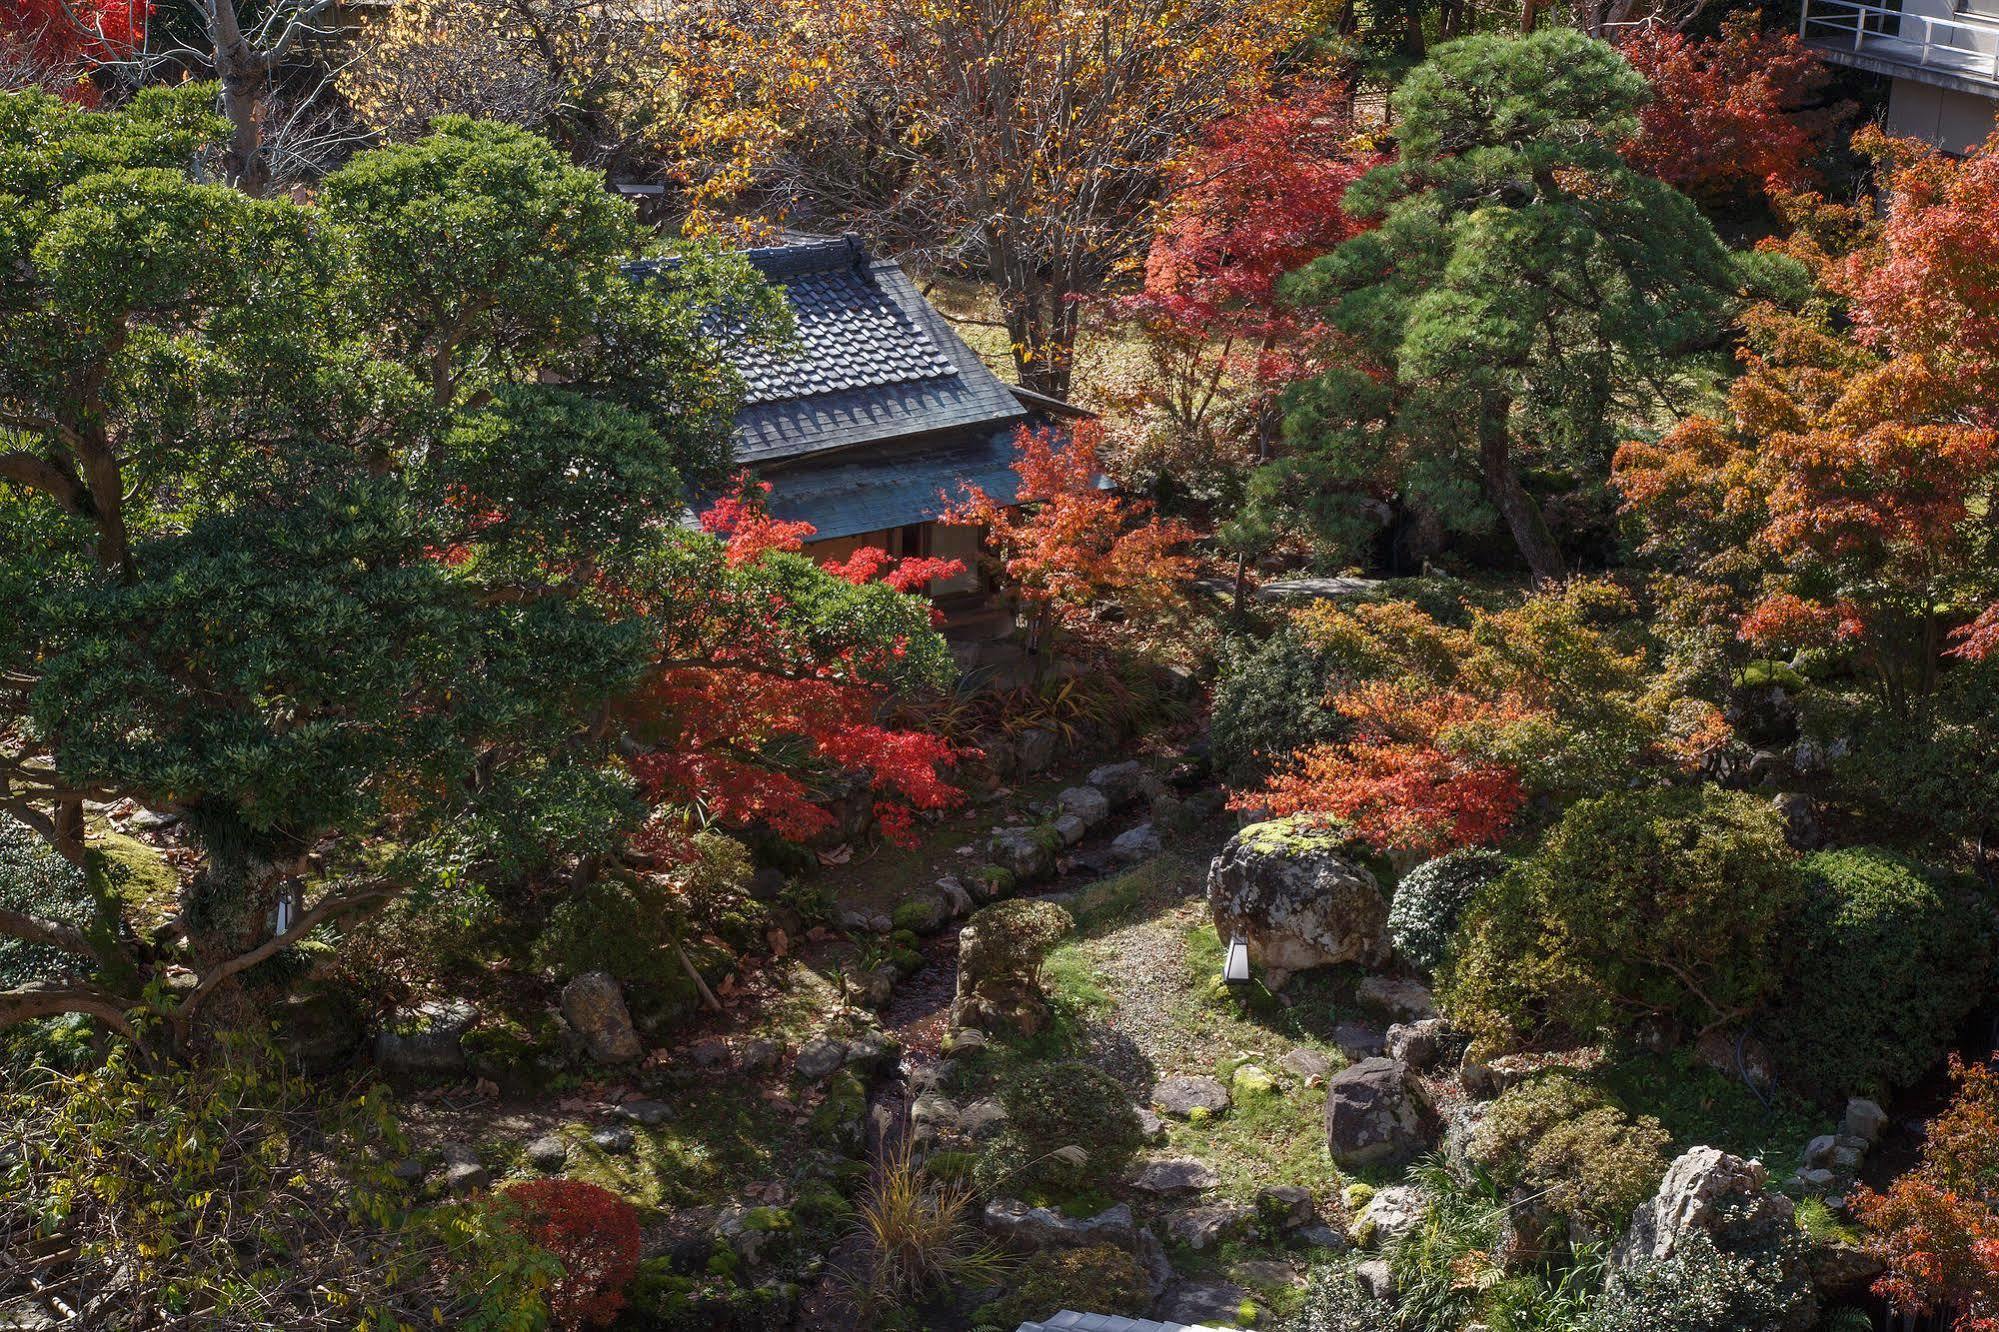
<point x="772" y="687"/>
<point x="53" y="43"/>
<point x="1067" y="540"/>
<point x="1450" y="731"/>
<point x="1258" y="199"/>
<point x="593" y="1233"/>
<point x="1732" y="115"/>
<point x="1846" y="498"/>
<point x="1937" y="1227"/>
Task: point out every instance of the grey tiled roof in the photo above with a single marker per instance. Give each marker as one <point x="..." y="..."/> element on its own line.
<point x="873" y="361"/>
<point x="872" y="490"/>
<point x="1071" y="1321"/>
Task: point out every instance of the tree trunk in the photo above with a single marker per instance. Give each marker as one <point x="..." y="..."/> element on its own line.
<point x="244" y="74"/>
<point x="1502" y="486"/>
<point x="69" y="838"/>
<point x="1413" y="45"/>
<point x="227" y="911"/>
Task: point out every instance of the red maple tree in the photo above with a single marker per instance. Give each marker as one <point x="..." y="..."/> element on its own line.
<point x="593" y="1233"/>
<point x="1401" y="783"/>
<point x="1258" y="198"/>
<point x="1067" y="540"/>
<point x="1730" y="115"/>
<point x="1937" y="1227"/>
<point x="768" y="691"/>
<point x="52" y="44"/>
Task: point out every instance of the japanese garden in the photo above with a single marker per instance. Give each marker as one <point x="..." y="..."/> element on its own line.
<point x="997" y="665"/>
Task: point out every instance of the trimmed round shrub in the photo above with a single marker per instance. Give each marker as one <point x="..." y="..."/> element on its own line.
<point x="609" y="925"/>
<point x="1007" y="940"/>
<point x="1568" y="1142"/>
<point x="1102" y="1278"/>
<point x="1432" y="898"/>
<point x="1269" y="703"/>
<point x="593" y="1233"/>
<point x="1064" y="1104"/>
<point x="1890" y="959"/>
<point x="1662" y="900"/>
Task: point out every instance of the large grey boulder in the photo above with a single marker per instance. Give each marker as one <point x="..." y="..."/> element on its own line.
<point x="1025" y="853"/>
<point x="1290" y="891"/>
<point x="1705" y="1191"/>
<point x="427" y="1042"/>
<point x="1711" y="1194"/>
<point x="1375" y="1115"/>
<point x="594" y="1004"/>
<point x="1025" y="1228"/>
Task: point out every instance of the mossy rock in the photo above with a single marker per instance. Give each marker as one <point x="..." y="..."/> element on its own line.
<point x="1296" y="835"/>
<point x="661" y="1298"/>
<point x="925" y="913"/>
<point x="1251" y="1081"/>
<point x="840" y="1122"/>
<point x="517" y="1058"/>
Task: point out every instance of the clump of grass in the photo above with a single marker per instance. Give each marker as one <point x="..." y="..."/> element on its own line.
<point x="918" y="1236"/>
<point x="1822" y="1225"/>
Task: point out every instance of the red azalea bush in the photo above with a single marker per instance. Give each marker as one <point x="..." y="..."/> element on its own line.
<point x="593" y="1233"/>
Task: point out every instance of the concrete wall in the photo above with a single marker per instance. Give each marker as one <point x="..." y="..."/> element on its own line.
<point x="1955" y="121"/>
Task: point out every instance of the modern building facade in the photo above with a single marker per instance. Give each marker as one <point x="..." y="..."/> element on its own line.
<point x="1940" y="56"/>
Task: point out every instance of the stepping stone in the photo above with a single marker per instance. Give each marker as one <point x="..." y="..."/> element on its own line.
<point x="1182" y="1096"/>
<point x="1202" y="1228"/>
<point x="548" y="1154"/>
<point x="1170" y="1177"/>
<point x="649" y="1113"/>
<point x="613" y="1138"/>
<point x="1306" y="1064"/>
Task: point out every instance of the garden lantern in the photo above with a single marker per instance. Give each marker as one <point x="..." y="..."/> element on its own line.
<point x="1235" y="962"/>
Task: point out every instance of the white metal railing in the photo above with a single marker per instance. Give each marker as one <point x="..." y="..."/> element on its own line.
<point x="1962" y="45"/>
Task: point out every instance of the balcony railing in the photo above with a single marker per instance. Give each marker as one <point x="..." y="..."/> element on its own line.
<point x="1869" y="35"/>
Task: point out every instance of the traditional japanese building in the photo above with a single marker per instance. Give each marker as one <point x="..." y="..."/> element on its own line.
<point x="878" y="412"/>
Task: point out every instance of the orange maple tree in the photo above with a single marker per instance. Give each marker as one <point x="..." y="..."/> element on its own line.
<point x="1847" y="496"/>
<point x="1068" y="540"/>
<point x="1451" y="731"/>
<point x="1937" y="1227"/>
